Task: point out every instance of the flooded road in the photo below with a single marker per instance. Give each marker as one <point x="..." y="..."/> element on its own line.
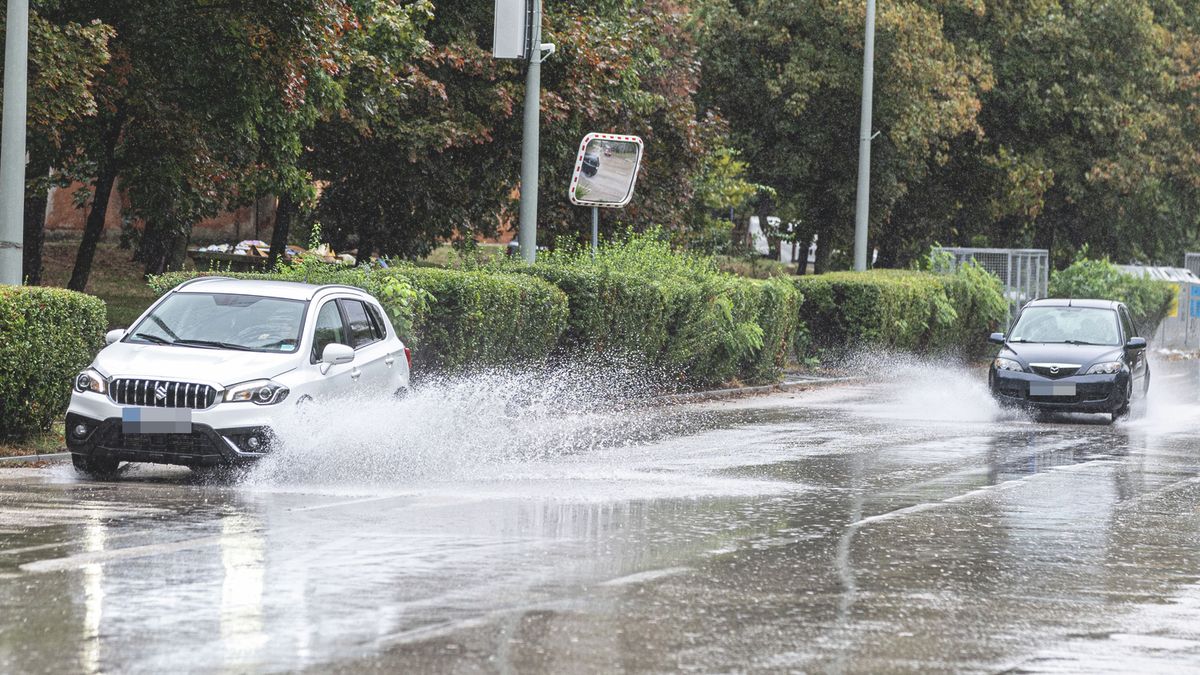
<point x="897" y="524"/>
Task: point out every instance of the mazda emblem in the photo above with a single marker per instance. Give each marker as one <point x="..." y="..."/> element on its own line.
<point x="160" y="392"/>
<point x="1053" y="370"/>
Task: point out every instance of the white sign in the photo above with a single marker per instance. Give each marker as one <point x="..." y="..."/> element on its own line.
<point x="510" y="29"/>
<point x="606" y="170"/>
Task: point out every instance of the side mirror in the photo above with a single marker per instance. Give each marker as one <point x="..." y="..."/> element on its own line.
<point x="114" y="335"/>
<point x="336" y="353"/>
<point x="1136" y="343"/>
<point x="996" y="338"/>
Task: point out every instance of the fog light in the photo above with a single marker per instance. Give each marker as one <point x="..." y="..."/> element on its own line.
<point x="80" y="431"/>
<point x="254" y="443"/>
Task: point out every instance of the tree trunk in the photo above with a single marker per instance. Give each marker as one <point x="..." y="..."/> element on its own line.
<point x="93" y="227"/>
<point x="283" y="225"/>
<point x="803" y="240"/>
<point x="35" y="233"/>
<point x="164" y="246"/>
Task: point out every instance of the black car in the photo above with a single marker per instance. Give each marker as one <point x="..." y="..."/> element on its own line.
<point x="1071" y="356"/>
<point x="591" y="164"/>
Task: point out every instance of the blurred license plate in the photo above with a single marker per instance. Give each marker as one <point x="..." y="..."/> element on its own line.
<point x="156" y="420"/>
<point x="1043" y="389"/>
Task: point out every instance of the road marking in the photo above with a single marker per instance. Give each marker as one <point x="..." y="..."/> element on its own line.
<point x="100" y="557"/>
<point x="642" y="577"/>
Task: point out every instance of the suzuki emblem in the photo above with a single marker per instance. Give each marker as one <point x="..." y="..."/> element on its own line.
<point x="160" y="392"/>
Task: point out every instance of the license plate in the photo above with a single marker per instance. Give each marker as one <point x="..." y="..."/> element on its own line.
<point x="1045" y="389"/>
<point x="156" y="420"/>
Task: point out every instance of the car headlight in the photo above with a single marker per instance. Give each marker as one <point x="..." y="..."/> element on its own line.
<point x="262" y="392"/>
<point x="1106" y="368"/>
<point x="91" y="380"/>
<point x="1002" y="363"/>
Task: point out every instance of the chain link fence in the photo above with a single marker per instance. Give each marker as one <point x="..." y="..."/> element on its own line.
<point x="1181" y="327"/>
<point x="1024" y="272"/>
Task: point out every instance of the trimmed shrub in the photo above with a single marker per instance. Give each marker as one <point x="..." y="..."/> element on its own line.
<point x="1148" y="299"/>
<point x="903" y="310"/>
<point x="674" y="310"/>
<point x="452" y="319"/>
<point x="47" y="335"/>
<point x="478" y="319"/>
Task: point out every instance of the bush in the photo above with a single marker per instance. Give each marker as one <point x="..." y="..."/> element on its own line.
<point x="479" y="319"/>
<point x="47" y="335"/>
<point x="674" y="310"/>
<point x="903" y="310"/>
<point x="1148" y="300"/>
<point x="453" y="319"/>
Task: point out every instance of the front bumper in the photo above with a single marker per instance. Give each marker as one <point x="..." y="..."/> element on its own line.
<point x="220" y="434"/>
<point x="1093" y="393"/>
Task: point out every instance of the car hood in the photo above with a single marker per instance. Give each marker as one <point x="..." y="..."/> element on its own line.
<point x="1038" y="352"/>
<point x="191" y="364"/>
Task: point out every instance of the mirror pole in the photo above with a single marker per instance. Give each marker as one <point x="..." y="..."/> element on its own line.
<point x="527" y="228"/>
<point x="595" y="230"/>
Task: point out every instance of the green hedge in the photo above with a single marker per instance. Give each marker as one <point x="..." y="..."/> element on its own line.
<point x="452" y="319"/>
<point x="901" y="310"/>
<point x="47" y="335"/>
<point x="1148" y="300"/>
<point x="673" y="311"/>
<point x="479" y="319"/>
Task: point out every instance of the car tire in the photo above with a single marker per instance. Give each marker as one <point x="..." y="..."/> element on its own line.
<point x="105" y="468"/>
<point x="1123" y="409"/>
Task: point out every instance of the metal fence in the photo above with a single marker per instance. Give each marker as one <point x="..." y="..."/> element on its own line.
<point x="1024" y="272"/>
<point x="1181" y="327"/>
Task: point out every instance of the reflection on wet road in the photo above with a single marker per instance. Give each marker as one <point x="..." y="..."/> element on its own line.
<point x="873" y="527"/>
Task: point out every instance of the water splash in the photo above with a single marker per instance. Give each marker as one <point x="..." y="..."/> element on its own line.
<point x="467" y="427"/>
<point x="929" y="389"/>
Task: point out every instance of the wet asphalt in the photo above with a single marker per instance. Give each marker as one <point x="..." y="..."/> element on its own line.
<point x="897" y="524"/>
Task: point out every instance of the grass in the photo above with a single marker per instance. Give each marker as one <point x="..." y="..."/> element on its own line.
<point x="38" y="444"/>
<point x="116" y="278"/>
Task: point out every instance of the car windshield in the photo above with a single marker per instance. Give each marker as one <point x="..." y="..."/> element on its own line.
<point x="223" y="321"/>
<point x="1075" y="325"/>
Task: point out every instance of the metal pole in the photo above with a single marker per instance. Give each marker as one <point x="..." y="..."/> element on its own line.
<point x="527" y="232"/>
<point x="863" y="202"/>
<point x="12" y="143"/>
<point x="595" y="231"/>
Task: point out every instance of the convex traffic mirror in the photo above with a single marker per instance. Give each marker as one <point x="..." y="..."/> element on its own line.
<point x="606" y="170"/>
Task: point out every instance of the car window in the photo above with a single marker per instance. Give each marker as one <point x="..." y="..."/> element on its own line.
<point x="362" y="332"/>
<point x="1091" y="325"/>
<point x="328" y="330"/>
<point x="377" y="321"/>
<point x="1127" y="324"/>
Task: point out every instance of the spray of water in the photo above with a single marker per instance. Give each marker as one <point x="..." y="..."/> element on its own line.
<point x="467" y="427"/>
<point x="928" y="389"/>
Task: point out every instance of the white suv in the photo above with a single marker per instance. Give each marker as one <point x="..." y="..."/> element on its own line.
<point x="204" y="372"/>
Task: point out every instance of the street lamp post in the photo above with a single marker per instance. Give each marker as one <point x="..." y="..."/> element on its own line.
<point x="12" y="143"/>
<point x="863" y="197"/>
<point x="527" y="224"/>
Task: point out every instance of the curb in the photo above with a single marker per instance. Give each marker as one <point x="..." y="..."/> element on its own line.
<point x="737" y="392"/>
<point x="36" y="458"/>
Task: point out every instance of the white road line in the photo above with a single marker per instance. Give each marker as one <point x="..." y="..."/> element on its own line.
<point x="95" y="557"/>
<point x="642" y="577"/>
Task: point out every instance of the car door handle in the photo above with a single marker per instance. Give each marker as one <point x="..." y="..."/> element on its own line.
<point x="355" y="374"/>
<point x="389" y="360"/>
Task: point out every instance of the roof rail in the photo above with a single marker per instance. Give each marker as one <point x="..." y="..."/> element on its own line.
<point x="202" y="278"/>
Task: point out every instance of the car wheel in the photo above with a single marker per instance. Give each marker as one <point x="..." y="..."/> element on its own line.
<point x="1123" y="409"/>
<point x="96" y="467"/>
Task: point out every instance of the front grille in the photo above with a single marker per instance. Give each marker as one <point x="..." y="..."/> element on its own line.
<point x="195" y="444"/>
<point x="162" y="393"/>
<point x="1063" y="371"/>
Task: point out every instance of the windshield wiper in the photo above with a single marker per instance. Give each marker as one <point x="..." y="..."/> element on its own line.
<point x="164" y="326"/>
<point x="215" y="344"/>
<point x="1081" y="342"/>
<point x="152" y="338"/>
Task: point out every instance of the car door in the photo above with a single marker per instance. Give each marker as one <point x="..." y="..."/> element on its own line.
<point x="330" y="327"/>
<point x="370" y="348"/>
<point x="1137" y="357"/>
